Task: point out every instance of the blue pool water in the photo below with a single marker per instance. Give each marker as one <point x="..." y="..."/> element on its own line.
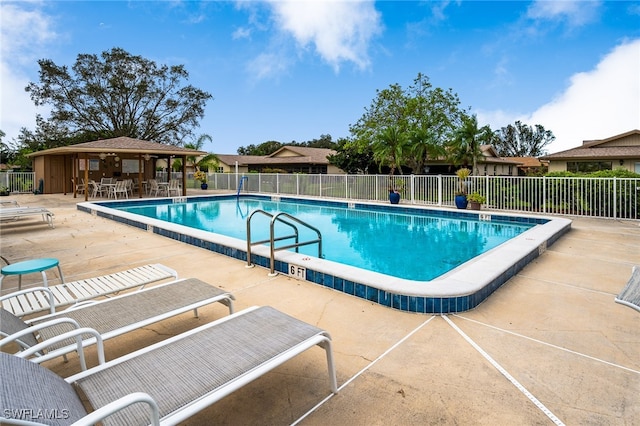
<point x="411" y="244"/>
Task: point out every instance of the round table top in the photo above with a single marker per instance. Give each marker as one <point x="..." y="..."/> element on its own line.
<point x="27" y="266"/>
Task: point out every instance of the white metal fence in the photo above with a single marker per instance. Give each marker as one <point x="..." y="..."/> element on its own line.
<point x="18" y="181"/>
<point x="593" y="197"/>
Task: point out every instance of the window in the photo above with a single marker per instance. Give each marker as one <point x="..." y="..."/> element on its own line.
<point x="588" y="166"/>
<point x="93" y="165"/>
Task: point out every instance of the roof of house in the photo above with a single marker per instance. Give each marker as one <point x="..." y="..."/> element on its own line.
<point x="603" y="148"/>
<point x="120" y="145"/>
<point x="285" y="155"/>
<point x="490" y="155"/>
<point x="528" y="161"/>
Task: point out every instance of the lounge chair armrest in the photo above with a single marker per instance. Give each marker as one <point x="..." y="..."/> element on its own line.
<point x="168" y="270"/>
<point x="52" y="307"/>
<point x="119" y="404"/>
<point x="77" y="334"/>
<point x="81" y="304"/>
<point x="15" y="337"/>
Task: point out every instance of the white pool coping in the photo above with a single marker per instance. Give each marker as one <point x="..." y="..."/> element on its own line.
<point x="499" y="263"/>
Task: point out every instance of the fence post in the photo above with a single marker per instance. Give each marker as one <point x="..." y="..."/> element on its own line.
<point x="486" y="189"/>
<point x="346" y="187"/>
<point x="544" y="194"/>
<point x="413" y="186"/>
<point x="615" y="198"/>
<point x="439" y="190"/>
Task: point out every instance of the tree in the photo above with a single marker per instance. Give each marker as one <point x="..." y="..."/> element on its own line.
<point x="5" y="153"/>
<point x="434" y="114"/>
<point x="352" y="158"/>
<point x="521" y="140"/>
<point x="323" y="142"/>
<point x="422" y="115"/>
<point x="209" y="160"/>
<point x="269" y="147"/>
<point x="468" y="138"/>
<point x="389" y="148"/>
<point x="265" y="148"/>
<point x="120" y="94"/>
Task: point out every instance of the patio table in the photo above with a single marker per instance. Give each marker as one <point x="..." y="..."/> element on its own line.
<point x="31" y="266"/>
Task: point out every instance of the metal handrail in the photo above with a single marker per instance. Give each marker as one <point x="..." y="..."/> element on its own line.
<point x="278" y="217"/>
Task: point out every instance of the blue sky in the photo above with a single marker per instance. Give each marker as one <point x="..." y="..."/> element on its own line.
<point x="295" y="70"/>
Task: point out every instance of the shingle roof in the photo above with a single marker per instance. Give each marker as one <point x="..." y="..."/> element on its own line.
<point x="600" y="149"/>
<point x="315" y="155"/>
<point x="120" y="145"/>
<point x="597" y="152"/>
<point x="527" y="161"/>
<point x="304" y="156"/>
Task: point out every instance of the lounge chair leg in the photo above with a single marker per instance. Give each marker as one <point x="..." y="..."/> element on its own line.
<point x="326" y="345"/>
<point x="65" y="358"/>
<point x="229" y="304"/>
<point x="195" y="313"/>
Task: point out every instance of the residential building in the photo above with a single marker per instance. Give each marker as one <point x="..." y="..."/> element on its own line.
<point x="288" y="159"/>
<point x="619" y="151"/>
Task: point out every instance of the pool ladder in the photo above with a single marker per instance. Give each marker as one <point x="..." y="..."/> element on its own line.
<point x="285" y="219"/>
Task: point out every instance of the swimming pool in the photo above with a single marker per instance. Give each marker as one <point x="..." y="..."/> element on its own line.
<point x="417" y="245"/>
<point x="463" y="278"/>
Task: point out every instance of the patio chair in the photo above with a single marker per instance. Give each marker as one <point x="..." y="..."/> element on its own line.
<point x="109" y="318"/>
<point x="630" y="294"/>
<point x="168" y="382"/>
<point x="120" y="188"/>
<point x="174" y="188"/>
<point x="79" y="187"/>
<point x="154" y="188"/>
<point x="36" y="300"/>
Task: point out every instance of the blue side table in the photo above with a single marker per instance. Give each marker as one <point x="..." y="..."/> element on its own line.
<point x="30" y="266"/>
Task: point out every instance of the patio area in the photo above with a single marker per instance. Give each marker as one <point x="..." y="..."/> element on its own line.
<point x="550" y="346"/>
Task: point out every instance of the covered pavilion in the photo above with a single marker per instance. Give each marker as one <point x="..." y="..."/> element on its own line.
<point x="123" y="157"/>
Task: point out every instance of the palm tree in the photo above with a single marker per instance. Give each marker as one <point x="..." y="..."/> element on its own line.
<point x="389" y="148"/>
<point x="465" y="147"/>
<point x="209" y="160"/>
<point x="423" y="147"/>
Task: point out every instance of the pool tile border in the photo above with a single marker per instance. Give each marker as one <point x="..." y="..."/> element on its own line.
<point x="423" y="304"/>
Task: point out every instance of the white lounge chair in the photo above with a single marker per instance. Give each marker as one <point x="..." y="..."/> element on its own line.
<point x="630" y="294"/>
<point x="109" y="318"/>
<point x="34" y="300"/>
<point x="9" y="203"/>
<point x="12" y="213"/>
<point x="168" y="382"/>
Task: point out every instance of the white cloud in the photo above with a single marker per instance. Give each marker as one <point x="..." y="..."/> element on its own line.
<point x="574" y="13"/>
<point x="596" y="104"/>
<point x="25" y="33"/>
<point x="241" y="33"/>
<point x="340" y="31"/>
<point x="267" y="65"/>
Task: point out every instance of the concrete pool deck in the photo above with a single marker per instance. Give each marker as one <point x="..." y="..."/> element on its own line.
<point x="556" y="344"/>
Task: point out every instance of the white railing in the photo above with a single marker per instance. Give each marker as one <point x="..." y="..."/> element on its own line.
<point x="19" y="181"/>
<point x="594" y="197"/>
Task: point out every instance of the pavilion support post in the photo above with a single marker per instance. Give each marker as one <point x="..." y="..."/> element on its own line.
<point x="86" y="176"/>
<point x="184" y="175"/>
